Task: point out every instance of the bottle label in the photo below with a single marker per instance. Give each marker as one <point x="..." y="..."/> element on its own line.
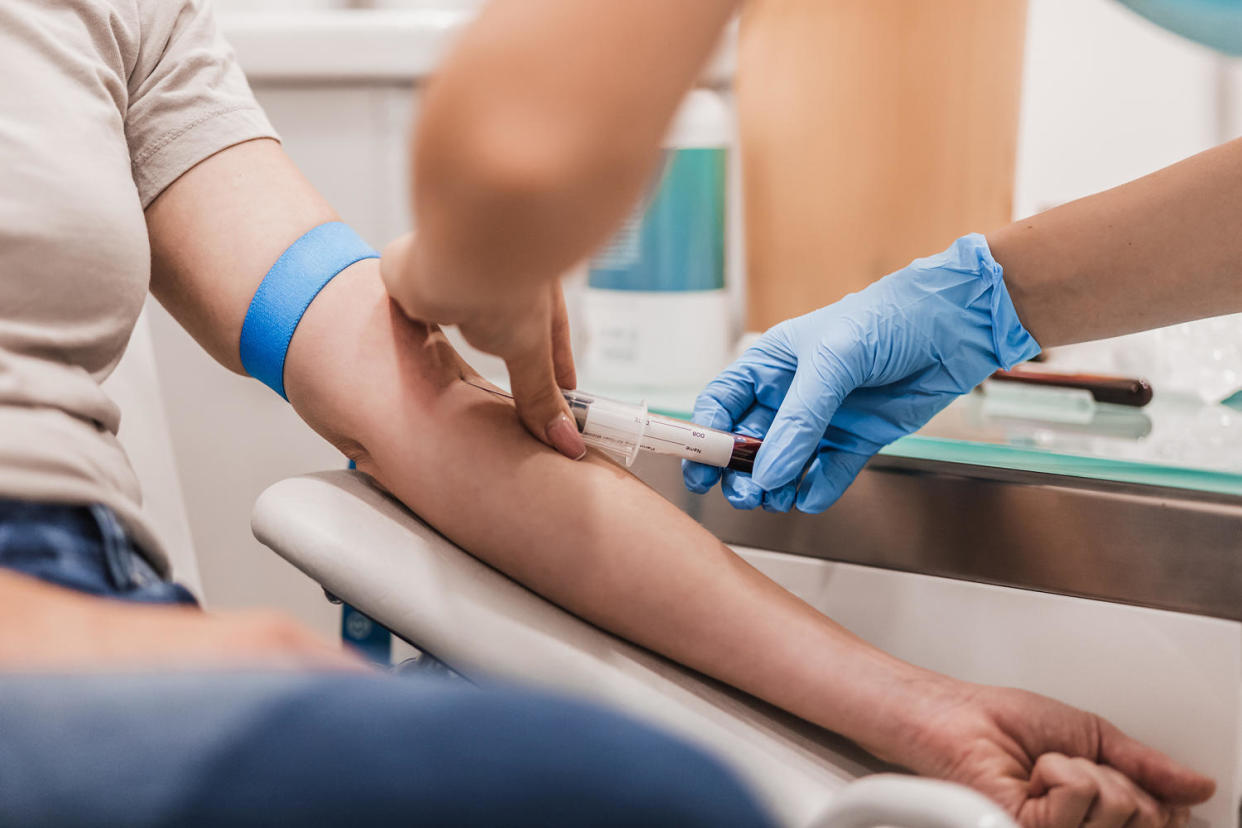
<point x="676" y="241"/>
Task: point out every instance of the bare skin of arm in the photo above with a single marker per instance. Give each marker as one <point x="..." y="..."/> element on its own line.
<point x="1158" y="250"/>
<point x="46" y="628"/>
<point x="389" y="393"/>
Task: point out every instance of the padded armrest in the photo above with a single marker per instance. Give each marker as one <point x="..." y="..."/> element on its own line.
<point x="372" y="552"/>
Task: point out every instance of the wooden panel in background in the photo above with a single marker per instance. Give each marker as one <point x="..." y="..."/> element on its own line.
<point x="873" y="132"/>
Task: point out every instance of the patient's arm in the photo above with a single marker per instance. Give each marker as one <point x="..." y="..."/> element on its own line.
<point x="53" y="629"/>
<point x="590" y="537"/>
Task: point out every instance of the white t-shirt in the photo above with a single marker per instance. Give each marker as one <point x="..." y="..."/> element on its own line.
<point x="104" y="103"/>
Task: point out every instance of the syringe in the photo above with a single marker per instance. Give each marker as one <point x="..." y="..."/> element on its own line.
<point x="623" y="429"/>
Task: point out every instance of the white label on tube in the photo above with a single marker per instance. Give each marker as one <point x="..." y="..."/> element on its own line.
<point x="682" y="439"/>
<point x="615" y="428"/>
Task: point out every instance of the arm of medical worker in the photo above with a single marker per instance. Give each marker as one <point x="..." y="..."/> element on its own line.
<point x="531" y="147"/>
<point x="829" y="389"/>
<point x="1159" y="250"/>
<point x="389" y="392"/>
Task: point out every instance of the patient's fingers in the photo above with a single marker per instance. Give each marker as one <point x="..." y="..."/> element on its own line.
<point x="1067" y="792"/>
<point x="1061" y="793"/>
<point x="1151" y="769"/>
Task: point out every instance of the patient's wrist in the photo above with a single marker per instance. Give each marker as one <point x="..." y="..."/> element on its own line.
<point x="907" y="715"/>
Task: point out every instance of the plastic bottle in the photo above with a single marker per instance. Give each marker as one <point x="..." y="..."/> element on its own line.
<point x="655" y="310"/>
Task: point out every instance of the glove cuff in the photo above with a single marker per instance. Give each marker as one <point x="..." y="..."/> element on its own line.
<point x="1011" y="342"/>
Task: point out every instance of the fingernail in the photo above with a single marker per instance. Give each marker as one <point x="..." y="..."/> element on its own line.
<point x="565" y="438"/>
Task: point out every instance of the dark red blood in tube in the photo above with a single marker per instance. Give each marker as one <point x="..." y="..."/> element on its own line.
<point x="744" y="451"/>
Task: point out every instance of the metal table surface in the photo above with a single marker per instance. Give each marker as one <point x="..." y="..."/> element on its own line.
<point x="1166" y="548"/>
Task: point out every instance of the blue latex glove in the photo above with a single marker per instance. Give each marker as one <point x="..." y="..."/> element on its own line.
<point x="829" y="389"/>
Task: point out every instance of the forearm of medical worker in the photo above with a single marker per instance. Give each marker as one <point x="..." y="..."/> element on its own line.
<point x="1155" y="251"/>
<point x="542" y="158"/>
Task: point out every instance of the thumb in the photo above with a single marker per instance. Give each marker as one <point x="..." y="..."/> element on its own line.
<point x="1156" y="773"/>
<point x="395" y="266"/>
<point x="540" y="406"/>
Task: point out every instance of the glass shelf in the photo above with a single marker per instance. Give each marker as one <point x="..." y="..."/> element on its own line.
<point x="1176" y="442"/>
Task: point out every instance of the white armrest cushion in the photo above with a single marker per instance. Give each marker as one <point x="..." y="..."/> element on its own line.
<point x="372" y="552"/>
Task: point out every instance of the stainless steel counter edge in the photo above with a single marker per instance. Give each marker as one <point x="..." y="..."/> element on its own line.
<point x="1164" y="548"/>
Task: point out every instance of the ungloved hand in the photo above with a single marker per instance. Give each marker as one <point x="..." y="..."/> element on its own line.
<point x="525" y="325"/>
<point x="829" y="389"/>
<point x="1049" y="765"/>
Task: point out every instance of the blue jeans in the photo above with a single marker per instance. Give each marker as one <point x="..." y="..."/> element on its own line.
<point x="212" y="748"/>
<point x="83" y="548"/>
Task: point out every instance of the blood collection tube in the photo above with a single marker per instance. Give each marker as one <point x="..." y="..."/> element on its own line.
<point x="622" y="430"/>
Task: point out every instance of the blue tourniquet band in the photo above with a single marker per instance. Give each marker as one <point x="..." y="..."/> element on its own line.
<point x="287" y="291"/>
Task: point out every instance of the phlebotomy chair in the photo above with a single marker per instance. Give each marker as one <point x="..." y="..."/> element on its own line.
<point x="373" y="553"/>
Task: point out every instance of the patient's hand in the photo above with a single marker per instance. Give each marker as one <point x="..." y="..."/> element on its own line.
<point x="49" y="628"/>
<point x="1051" y="765"/>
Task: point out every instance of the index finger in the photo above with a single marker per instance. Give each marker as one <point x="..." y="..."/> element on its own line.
<point x="1158" y="774"/>
<point x="538" y="398"/>
<point x="721" y="405"/>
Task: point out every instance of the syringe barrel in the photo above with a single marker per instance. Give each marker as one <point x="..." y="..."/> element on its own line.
<point x="623" y="429"/>
<point x="691" y="441"/>
<point x="614" y="427"/>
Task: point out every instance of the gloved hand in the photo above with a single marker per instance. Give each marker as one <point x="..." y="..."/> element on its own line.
<point x="829" y="389"/>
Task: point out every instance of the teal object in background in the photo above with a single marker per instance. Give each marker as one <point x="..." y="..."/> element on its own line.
<point x="1214" y="23"/>
<point x="369" y="639"/>
<point x="363" y="634"/>
<point x="677" y="243"/>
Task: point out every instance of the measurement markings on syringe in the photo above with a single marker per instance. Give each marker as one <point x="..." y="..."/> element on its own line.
<point x="674" y="426"/>
<point x="684" y="440"/>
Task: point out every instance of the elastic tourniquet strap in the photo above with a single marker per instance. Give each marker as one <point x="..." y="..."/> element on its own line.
<point x="287" y="291"/>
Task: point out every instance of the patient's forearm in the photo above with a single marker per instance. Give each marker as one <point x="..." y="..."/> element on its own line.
<point x="588" y="535"/>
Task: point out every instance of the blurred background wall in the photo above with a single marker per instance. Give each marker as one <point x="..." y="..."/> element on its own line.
<point x="873" y="131"/>
<point x="1105" y="97"/>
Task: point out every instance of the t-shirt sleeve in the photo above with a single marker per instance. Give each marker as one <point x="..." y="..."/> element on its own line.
<point x="188" y="98"/>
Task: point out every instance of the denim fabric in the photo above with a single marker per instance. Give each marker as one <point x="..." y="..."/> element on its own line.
<point x="81" y="547"/>
<point x="244" y="749"/>
<point x="251" y="750"/>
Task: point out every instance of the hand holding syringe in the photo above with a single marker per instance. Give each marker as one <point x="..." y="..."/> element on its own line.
<point x="623" y="429"/>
